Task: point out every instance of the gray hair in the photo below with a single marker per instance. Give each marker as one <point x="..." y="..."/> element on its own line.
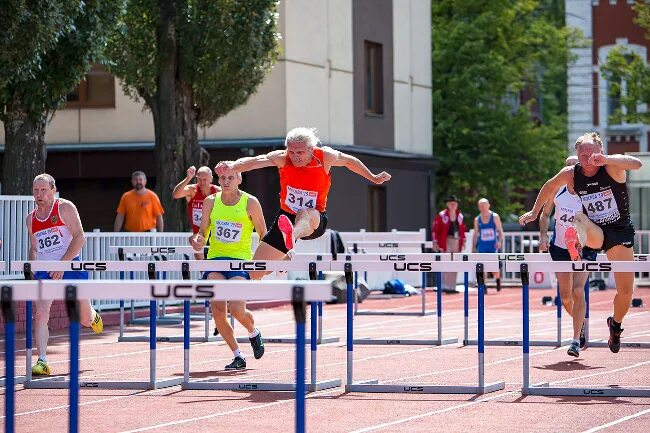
<point x="46" y="177"/>
<point x="302" y="135"/>
<point x="138" y="173"/>
<point x="571" y="160"/>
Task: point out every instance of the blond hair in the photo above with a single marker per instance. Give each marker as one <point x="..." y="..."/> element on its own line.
<point x="589" y="136"/>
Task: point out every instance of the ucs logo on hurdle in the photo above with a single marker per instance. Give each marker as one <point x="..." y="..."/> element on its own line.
<point x="413" y="267"/>
<point x="163" y="250"/>
<point x="248" y="266"/>
<point x="182" y="291"/>
<point x="88" y="266"/>
<point x="511" y="257"/>
<point x="392" y="257"/>
<point x="592" y="266"/>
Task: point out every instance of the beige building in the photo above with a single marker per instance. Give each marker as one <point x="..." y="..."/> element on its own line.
<point x="358" y="70"/>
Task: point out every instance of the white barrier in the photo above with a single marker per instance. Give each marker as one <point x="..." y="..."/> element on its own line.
<point x="524" y="268"/>
<point x="297" y="292"/>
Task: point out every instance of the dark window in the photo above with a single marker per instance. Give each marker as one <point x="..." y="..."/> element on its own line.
<point x="613" y="98"/>
<point x="96" y="90"/>
<point x="374" y="84"/>
<point x="377" y="209"/>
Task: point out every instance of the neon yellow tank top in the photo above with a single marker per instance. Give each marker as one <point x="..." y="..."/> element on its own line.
<point x="231" y="229"/>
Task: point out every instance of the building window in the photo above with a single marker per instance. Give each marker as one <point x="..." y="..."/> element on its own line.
<point x="374" y="84"/>
<point x="377" y="221"/>
<point x="613" y="98"/>
<point x="96" y="90"/>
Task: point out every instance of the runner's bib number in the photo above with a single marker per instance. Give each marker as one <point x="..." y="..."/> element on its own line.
<point x="48" y="241"/>
<point x="488" y="234"/>
<point x="197" y="214"/>
<point x="227" y="232"/>
<point x="565" y="216"/>
<point x="601" y="206"/>
<point x="298" y="199"/>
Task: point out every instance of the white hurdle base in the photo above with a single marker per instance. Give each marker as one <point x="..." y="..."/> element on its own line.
<point x="545" y="343"/>
<point x="215" y="384"/>
<point x="64" y="383"/>
<point x="290" y="340"/>
<point x="424" y="388"/>
<point x="171" y="339"/>
<point x="394" y="313"/>
<point x="405" y="342"/>
<point x="546" y="390"/>
<point x="624" y="344"/>
<point x="17" y="380"/>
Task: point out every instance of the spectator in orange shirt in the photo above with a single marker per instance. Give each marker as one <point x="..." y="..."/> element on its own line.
<point x="139" y="209"/>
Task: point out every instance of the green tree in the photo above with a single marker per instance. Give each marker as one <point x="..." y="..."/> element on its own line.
<point x="628" y="76"/>
<point x="191" y="61"/>
<point x="52" y="63"/>
<point x="484" y="56"/>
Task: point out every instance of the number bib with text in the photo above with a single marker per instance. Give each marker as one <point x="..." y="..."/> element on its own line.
<point x="49" y="241"/>
<point x="197" y="213"/>
<point x="227" y="232"/>
<point x="601" y="206"/>
<point x="564" y="216"/>
<point x="300" y="199"/>
<point x="488" y="234"/>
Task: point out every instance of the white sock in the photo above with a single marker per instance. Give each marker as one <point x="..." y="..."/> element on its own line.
<point x="254" y="334"/>
<point x="43" y="358"/>
<point x="576" y="341"/>
<point x="238" y="353"/>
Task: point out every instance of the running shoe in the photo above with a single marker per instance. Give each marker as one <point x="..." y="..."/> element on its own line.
<point x="257" y="343"/>
<point x="572" y="242"/>
<point x="286" y="227"/>
<point x="41" y="368"/>
<point x="238" y="363"/>
<point x="614" y="341"/>
<point x="574" y="349"/>
<point x="98" y="324"/>
<point x="583" y="340"/>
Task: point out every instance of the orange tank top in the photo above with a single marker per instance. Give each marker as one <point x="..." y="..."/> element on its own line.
<point x="304" y="187"/>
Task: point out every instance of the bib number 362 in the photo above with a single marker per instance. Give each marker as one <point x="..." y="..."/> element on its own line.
<point x="298" y="199"/>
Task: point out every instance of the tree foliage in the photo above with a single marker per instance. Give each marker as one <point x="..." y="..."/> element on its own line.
<point x="628" y="77"/>
<point x="485" y="56"/>
<point x="37" y="84"/>
<point x="191" y="61"/>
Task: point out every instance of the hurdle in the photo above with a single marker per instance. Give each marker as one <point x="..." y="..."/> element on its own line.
<point x="356" y="246"/>
<point x="16" y="379"/>
<point x="525" y="268"/>
<point x="427" y="266"/>
<point x="215" y="383"/>
<point x="298" y="292"/>
<point x="400" y="262"/>
<point x="163" y="251"/>
<point x="503" y="257"/>
<point x="641" y="258"/>
<point x="28" y="267"/>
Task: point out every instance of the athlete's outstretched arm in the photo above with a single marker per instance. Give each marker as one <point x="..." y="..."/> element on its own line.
<point x="621" y="162"/>
<point x="184" y="189"/>
<point x="354" y="164"/>
<point x="543" y="226"/>
<point x="565" y="176"/>
<point x="248" y="163"/>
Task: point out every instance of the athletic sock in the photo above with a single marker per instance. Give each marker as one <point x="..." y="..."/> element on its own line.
<point x="616" y="324"/>
<point x="43" y="358"/>
<point x="254" y="334"/>
<point x="576" y="341"/>
<point x="237" y="353"/>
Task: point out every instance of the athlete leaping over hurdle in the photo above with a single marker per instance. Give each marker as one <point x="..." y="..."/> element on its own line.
<point x="600" y="181"/>
<point x="305" y="179"/>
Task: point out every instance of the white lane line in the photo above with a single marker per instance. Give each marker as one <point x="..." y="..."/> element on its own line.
<point x="618" y="421"/>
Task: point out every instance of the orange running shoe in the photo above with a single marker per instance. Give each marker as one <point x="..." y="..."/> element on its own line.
<point x="572" y="242"/>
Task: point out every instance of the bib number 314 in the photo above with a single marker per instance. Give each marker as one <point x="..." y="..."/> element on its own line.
<point x="298" y="199"/>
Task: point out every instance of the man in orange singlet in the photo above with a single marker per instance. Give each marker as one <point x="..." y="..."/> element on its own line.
<point x="305" y="179"/>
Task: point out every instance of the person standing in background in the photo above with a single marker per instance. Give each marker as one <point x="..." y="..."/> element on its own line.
<point x="448" y="235"/>
<point x="139" y="209"/>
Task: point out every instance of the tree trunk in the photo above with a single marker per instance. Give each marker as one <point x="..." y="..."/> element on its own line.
<point x="25" y="151"/>
<point x="175" y="121"/>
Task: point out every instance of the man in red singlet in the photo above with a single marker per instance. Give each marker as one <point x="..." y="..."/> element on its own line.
<point x="194" y="194"/>
<point x="305" y="179"/>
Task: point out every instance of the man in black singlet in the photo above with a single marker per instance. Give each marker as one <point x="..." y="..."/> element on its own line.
<point x="600" y="181"/>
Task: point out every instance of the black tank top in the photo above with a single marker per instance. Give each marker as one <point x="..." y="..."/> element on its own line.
<point x="604" y="200"/>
